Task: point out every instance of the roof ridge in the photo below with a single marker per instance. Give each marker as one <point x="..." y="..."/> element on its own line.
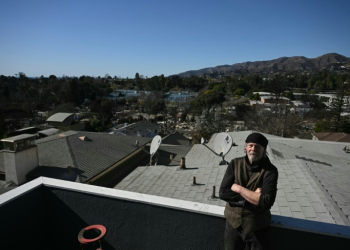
<point x="56" y="137"/>
<point x="305" y="140"/>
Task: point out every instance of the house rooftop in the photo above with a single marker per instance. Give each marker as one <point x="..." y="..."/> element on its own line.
<point x="18" y="138"/>
<point x="59" y="117"/>
<point x="313" y="177"/>
<point x="87" y="158"/>
<point x="335" y="137"/>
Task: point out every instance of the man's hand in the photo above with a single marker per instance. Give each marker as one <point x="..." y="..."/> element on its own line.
<point x="250" y="196"/>
<point x="236" y="188"/>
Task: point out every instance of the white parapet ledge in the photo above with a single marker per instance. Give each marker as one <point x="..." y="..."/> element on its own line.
<point x="195" y="207"/>
<point x="19" y="191"/>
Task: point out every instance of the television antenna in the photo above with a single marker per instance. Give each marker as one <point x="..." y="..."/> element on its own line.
<point x="222" y="145"/>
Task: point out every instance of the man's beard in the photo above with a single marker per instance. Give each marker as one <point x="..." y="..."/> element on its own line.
<point x="254" y="157"/>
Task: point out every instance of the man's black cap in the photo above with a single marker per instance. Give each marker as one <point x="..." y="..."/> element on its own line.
<point x="257" y="138"/>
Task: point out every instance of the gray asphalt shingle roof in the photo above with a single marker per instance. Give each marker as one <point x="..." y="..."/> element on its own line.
<point x="176" y="139"/>
<point x="177" y="151"/>
<point x="141" y="129"/>
<point x="313" y="177"/>
<point x="87" y="157"/>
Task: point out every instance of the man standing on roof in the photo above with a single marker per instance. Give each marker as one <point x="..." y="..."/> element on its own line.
<point x="249" y="187"/>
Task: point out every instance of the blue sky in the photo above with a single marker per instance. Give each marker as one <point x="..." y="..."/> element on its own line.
<point x="154" y="37"/>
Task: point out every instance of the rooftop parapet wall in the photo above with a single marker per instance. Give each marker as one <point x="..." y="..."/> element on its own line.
<point x="55" y="211"/>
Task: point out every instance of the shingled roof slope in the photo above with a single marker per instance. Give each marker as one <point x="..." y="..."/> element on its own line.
<point x="178" y="152"/>
<point x="337" y="137"/>
<point x="313" y="177"/>
<point x="88" y="157"/>
<point x="176" y="139"/>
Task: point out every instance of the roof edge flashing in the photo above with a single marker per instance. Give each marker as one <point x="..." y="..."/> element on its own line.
<point x="20" y="190"/>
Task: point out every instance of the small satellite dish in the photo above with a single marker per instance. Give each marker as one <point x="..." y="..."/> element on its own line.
<point x="222" y="143"/>
<point x="157" y="140"/>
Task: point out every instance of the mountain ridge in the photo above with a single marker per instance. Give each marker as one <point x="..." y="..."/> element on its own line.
<point x="295" y="63"/>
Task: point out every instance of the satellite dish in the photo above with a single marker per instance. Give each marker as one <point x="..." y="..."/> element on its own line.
<point x="222" y="143"/>
<point x="157" y="140"/>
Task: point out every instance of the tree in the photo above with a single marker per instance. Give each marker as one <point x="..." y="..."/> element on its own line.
<point x="281" y="123"/>
<point x="6" y="92"/>
<point x="239" y="92"/>
<point x="95" y="124"/>
<point x="2" y="126"/>
<point x="241" y="110"/>
<point x="276" y="86"/>
<point x="154" y="103"/>
<point x="210" y="100"/>
<point x="208" y="124"/>
<point x="52" y="78"/>
<point x="339" y="123"/>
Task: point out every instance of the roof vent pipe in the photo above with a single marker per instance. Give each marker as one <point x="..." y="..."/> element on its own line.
<point x="213" y="194"/>
<point x="69" y="169"/>
<point x="182" y="164"/>
<point x="84" y="138"/>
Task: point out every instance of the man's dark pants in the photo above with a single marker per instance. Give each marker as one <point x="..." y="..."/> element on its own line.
<point x="236" y="239"/>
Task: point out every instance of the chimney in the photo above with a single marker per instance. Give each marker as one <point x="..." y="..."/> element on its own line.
<point x="20" y="157"/>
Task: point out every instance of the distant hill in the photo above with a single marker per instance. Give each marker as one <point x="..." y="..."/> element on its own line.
<point x="295" y="63"/>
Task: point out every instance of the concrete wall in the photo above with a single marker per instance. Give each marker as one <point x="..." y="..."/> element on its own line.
<point x="18" y="164"/>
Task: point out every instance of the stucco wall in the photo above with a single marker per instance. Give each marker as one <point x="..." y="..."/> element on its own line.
<point x="50" y="218"/>
<point x="130" y="225"/>
<point x="22" y="224"/>
<point x="133" y="225"/>
<point x="18" y="164"/>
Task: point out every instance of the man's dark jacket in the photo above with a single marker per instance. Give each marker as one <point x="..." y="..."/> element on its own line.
<point x="240" y="212"/>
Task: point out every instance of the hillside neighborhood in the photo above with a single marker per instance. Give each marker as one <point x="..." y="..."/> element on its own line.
<point x="99" y="133"/>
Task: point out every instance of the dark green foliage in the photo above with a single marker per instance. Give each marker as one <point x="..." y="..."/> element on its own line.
<point x="2" y="126"/>
<point x="154" y="103"/>
<point x="209" y="100"/>
<point x="241" y="111"/>
<point x="21" y="95"/>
